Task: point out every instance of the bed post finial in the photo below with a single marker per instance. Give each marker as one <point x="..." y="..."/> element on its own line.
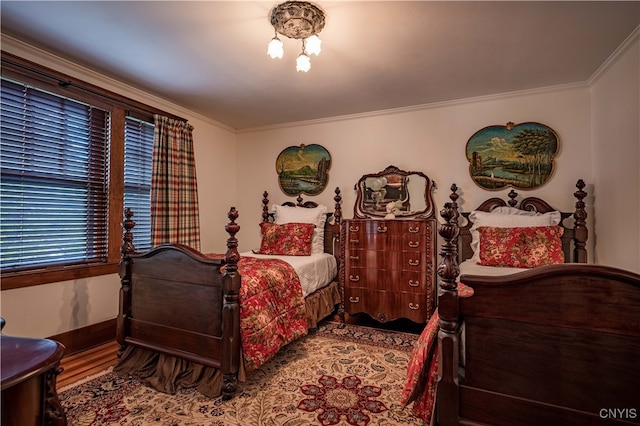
<point x="512" y="198"/>
<point x="127" y="237"/>
<point x="265" y="206"/>
<point x="454" y="202"/>
<point x="580" y="225"/>
<point x="454" y="195"/>
<point x="337" y="214"/>
<point x="448" y="318"/>
<point x="232" y="256"/>
<point x="231" y="310"/>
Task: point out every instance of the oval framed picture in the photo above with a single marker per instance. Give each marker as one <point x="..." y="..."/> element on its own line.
<point x="303" y="169"/>
<point x="516" y="155"/>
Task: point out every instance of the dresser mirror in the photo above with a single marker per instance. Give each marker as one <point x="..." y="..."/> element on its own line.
<point x="401" y="193"/>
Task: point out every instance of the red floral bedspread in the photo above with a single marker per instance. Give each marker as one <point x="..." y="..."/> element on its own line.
<point x="272" y="309"/>
<point x="422" y="371"/>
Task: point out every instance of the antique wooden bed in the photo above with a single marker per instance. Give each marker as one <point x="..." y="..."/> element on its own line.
<point x="179" y="321"/>
<point x="555" y="344"/>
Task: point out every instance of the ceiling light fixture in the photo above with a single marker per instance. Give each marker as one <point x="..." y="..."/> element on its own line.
<point x="299" y="20"/>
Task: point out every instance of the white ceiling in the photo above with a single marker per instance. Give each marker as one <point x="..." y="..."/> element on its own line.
<point x="210" y="56"/>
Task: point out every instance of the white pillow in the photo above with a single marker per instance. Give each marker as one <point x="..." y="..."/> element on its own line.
<point x="514" y="211"/>
<point x="507" y="217"/>
<point x="315" y="215"/>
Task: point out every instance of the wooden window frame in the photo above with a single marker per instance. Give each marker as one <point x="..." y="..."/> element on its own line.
<point x="119" y="106"/>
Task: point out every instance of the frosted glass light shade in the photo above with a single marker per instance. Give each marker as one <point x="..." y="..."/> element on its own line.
<point x="303" y="63"/>
<point x="313" y="45"/>
<point x="275" y="49"/>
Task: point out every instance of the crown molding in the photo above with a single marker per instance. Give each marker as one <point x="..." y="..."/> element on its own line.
<point x="617" y="54"/>
<point x="47" y="59"/>
<point x="423" y="107"/>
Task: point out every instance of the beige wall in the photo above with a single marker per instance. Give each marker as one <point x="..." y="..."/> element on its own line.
<point x="616" y="161"/>
<point x="431" y="140"/>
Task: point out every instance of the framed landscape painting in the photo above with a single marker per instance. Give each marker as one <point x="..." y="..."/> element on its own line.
<point x="303" y="169"/>
<point x="517" y="156"/>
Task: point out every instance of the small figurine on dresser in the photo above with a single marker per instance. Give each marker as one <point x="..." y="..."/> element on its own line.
<point x="393" y="208"/>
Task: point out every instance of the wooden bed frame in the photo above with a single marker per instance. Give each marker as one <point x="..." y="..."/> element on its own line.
<point x="557" y="344"/>
<point x="176" y="301"/>
<point x="573" y="239"/>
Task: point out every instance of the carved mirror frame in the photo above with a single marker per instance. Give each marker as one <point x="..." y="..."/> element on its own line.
<point x="374" y="191"/>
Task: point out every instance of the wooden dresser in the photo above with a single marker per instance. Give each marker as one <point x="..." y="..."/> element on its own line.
<point x="389" y="268"/>
<point x="388" y="249"/>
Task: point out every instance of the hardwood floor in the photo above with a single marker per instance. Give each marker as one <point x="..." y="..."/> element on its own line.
<point x="92" y="361"/>
<point x="87" y="363"/>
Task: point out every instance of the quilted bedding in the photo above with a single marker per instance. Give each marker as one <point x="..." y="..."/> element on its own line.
<point x="422" y="372"/>
<point x="272" y="309"/>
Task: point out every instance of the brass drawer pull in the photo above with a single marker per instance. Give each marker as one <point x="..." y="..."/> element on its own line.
<point x="414" y="230"/>
<point x="414" y="262"/>
<point x="354" y="228"/>
<point x="354" y="241"/>
<point x="414" y="244"/>
<point x="414" y="283"/>
<point x="354" y="257"/>
<point x="382" y="228"/>
<point x="414" y="307"/>
<point x="355" y="279"/>
<point x="354" y="299"/>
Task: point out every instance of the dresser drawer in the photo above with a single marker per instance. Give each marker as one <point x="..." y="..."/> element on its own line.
<point x="387" y="235"/>
<point x="386" y="306"/>
<point x="409" y="260"/>
<point x="414" y="243"/>
<point x="389" y="242"/>
<point x="372" y="226"/>
<point x="406" y="260"/>
<point x="386" y="279"/>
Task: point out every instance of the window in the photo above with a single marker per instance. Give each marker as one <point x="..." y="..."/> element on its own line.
<point x="138" y="153"/>
<point x="72" y="154"/>
<point x="54" y="194"/>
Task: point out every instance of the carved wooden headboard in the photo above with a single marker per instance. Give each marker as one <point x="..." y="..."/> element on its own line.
<point x="331" y="226"/>
<point x="574" y="237"/>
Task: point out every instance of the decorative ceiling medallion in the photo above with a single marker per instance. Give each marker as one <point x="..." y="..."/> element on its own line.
<point x="297" y="19"/>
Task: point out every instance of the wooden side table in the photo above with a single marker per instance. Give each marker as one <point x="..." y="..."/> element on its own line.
<point x="29" y="368"/>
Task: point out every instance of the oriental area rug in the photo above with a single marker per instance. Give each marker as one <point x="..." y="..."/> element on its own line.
<point x="334" y="376"/>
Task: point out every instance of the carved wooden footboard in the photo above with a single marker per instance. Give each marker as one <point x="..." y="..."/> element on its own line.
<point x="556" y="344"/>
<point x="176" y="301"/>
<point x="180" y="323"/>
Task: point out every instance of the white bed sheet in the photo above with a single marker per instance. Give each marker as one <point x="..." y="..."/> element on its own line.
<point x="470" y="267"/>
<point x="315" y="271"/>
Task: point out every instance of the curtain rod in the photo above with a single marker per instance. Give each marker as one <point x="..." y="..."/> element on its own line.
<point x="103" y="93"/>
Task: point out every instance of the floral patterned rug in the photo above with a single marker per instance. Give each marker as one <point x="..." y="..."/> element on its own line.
<point x="350" y="376"/>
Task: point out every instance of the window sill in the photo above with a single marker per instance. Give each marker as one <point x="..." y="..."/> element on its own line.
<point x="16" y="280"/>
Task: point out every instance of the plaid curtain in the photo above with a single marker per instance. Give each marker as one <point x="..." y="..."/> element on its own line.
<point x="174" y="190"/>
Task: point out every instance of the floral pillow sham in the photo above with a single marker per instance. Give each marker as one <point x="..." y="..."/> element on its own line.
<point x="520" y="247"/>
<point x="289" y="239"/>
<point x="315" y="215"/>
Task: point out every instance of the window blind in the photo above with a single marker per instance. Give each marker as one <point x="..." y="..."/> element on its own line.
<point x="54" y="156"/>
<point x="138" y="158"/>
